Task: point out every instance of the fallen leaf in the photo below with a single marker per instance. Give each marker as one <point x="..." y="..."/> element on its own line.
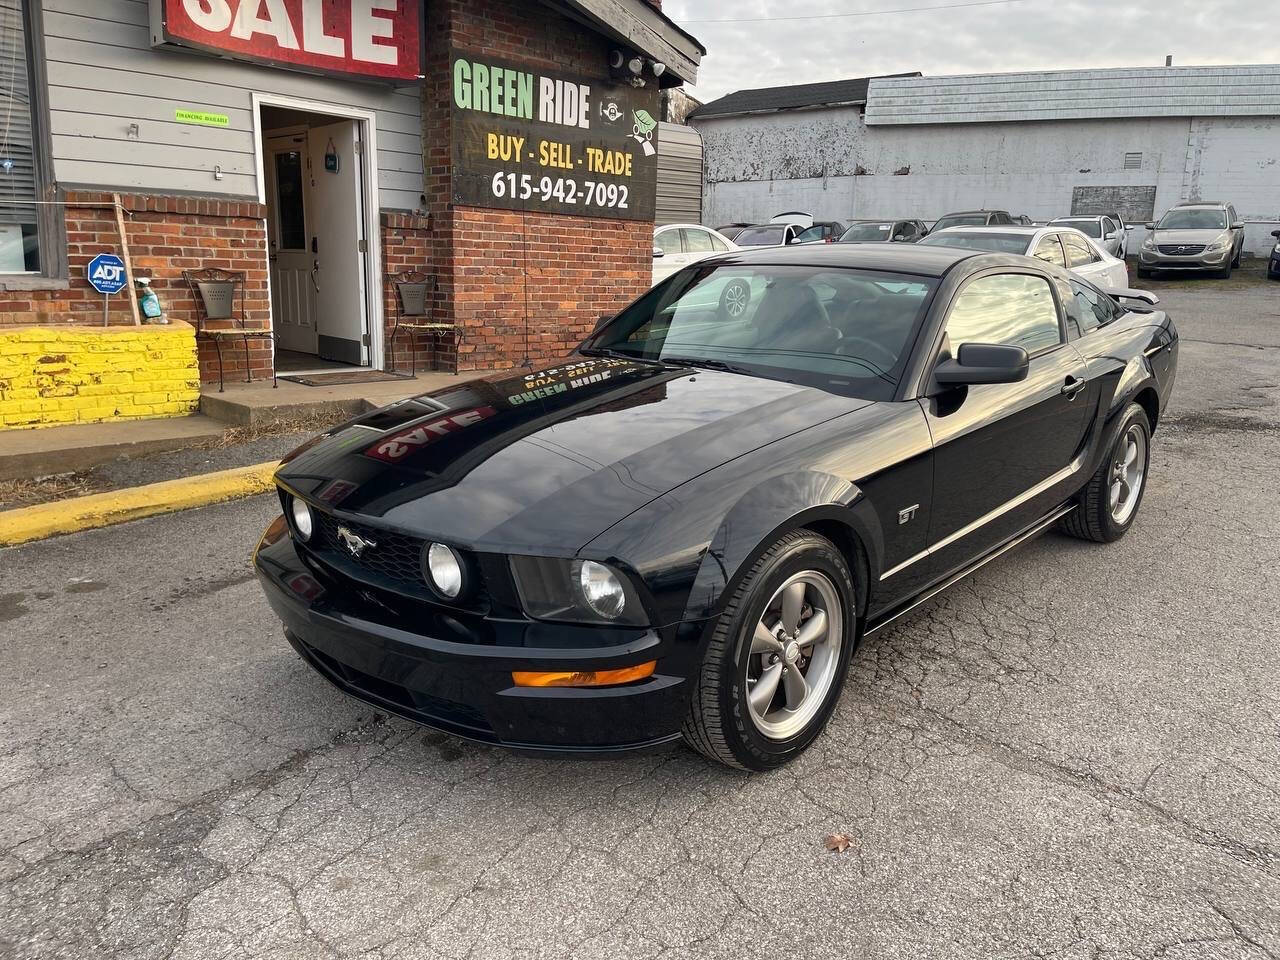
<point x="838" y="842"/>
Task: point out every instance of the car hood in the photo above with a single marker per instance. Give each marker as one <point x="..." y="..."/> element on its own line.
<point x="543" y="462"/>
<point x="1188" y="236"/>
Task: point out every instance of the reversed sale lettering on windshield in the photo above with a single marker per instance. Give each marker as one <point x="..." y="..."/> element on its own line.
<point x="526" y="139"/>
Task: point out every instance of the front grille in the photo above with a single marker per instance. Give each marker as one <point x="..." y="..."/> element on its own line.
<point x="393" y="556"/>
<point x="1182" y="249"/>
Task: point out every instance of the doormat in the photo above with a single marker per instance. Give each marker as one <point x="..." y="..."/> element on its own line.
<point x="339" y="377"/>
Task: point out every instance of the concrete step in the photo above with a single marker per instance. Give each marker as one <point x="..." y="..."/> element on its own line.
<point x="46" y="451"/>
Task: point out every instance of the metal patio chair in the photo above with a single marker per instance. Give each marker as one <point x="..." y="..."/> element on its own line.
<point x="216" y="293"/>
<point x="412" y="289"/>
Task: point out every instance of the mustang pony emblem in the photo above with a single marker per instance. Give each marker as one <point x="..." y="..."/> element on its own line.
<point x="355" y="543"/>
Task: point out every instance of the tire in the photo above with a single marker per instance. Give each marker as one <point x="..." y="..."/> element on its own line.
<point x="734" y="299"/>
<point x="1144" y="273"/>
<point x="1224" y="273"/>
<point x="1235" y="263"/>
<point x="1096" y="516"/>
<point x="721" y="723"/>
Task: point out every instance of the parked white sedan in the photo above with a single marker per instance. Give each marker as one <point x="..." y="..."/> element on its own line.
<point x="677" y="245"/>
<point x="1065" y="246"/>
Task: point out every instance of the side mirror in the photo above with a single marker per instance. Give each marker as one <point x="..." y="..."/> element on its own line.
<point x="1238" y="225"/>
<point x="1276" y="233"/>
<point x="1149" y="226"/>
<point x="1113" y="235"/>
<point x="983" y="363"/>
<point x="1128" y="226"/>
<point x="658" y="252"/>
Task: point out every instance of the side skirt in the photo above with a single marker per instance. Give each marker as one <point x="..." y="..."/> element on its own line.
<point x="1036" y="528"/>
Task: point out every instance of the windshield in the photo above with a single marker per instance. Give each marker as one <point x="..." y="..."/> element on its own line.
<point x="1193" y="220"/>
<point x="760" y="236"/>
<point x="867" y="231"/>
<point x="964" y="220"/>
<point x="846" y="331"/>
<point x="810" y="235"/>
<point x="1090" y="228"/>
<point x="980" y="240"/>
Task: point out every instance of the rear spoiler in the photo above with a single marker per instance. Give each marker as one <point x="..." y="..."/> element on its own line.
<point x="1124" y="293"/>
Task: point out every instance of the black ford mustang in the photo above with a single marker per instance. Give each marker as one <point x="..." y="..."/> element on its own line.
<point x="687" y="527"/>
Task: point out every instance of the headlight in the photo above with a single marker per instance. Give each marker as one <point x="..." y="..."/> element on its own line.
<point x="1149" y="243"/>
<point x="302" y="522"/>
<point x="601" y="589"/>
<point x="579" y="591"/>
<point x="1220" y="244"/>
<point x="444" y="570"/>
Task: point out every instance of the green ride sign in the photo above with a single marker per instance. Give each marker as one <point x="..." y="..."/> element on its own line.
<point x="527" y="139"/>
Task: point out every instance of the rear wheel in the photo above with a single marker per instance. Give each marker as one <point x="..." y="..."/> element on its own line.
<point x="1111" y="498"/>
<point x="777" y="659"/>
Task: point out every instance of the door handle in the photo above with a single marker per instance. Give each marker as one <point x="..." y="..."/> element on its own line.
<point x="1073" y="386"/>
<point x="315" y="266"/>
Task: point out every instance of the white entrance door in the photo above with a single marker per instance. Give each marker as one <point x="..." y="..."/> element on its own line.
<point x="338" y="226"/>
<point x="293" y="291"/>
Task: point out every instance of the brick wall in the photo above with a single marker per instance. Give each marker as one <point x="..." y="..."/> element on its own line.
<point x="407" y="245"/>
<point x="67" y="373"/>
<point x="528" y="285"/>
<point x="166" y="236"/>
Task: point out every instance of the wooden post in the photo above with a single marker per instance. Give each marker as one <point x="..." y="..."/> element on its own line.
<point x="128" y="263"/>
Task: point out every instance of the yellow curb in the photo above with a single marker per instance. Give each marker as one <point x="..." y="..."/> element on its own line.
<point x="103" y="509"/>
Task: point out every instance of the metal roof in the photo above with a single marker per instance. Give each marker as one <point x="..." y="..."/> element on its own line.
<point x="767" y="99"/>
<point x="1222" y="91"/>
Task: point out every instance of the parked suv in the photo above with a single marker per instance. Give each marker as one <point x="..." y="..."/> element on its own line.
<point x="1193" y="236"/>
<point x="973" y="218"/>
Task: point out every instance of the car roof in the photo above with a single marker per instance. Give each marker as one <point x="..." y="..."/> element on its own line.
<point x="1025" y="228"/>
<point x="961" y="213"/>
<point x="1083" y="216"/>
<point x="889" y="257"/>
<point x="1200" y="203"/>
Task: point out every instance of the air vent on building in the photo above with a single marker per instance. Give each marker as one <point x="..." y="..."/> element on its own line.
<point x="1133" y="161"/>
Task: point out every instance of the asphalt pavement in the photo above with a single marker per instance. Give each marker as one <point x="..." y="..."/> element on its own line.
<point x="1075" y="753"/>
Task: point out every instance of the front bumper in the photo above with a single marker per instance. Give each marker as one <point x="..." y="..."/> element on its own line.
<point x="465" y="688"/>
<point x="1155" y="260"/>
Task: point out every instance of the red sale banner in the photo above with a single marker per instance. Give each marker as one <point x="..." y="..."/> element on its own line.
<point x="368" y="38"/>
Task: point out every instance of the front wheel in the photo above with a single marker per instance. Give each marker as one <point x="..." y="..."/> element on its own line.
<point x="1144" y="273"/>
<point x="1111" y="498"/>
<point x="777" y="658"/>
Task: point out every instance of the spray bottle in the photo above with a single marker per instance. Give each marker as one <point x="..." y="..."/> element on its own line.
<point x="149" y="302"/>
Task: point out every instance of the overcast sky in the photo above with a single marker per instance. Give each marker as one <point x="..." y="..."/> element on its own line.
<point x="1017" y="35"/>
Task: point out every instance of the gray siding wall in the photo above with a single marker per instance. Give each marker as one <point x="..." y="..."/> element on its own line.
<point x="104" y="76"/>
<point x="679" y="174"/>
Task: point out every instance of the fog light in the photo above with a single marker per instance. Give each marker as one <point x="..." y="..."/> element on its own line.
<point x="584" y="678"/>
<point x="302" y="523"/>
<point x="601" y="589"/>
<point x="444" y="570"/>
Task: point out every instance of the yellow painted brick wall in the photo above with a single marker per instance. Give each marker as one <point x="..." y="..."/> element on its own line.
<point x="58" y="375"/>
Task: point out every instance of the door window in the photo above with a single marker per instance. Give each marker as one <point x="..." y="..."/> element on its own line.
<point x="1012" y="308"/>
<point x="1079" y="253"/>
<point x="291" y="219"/>
<point x="717" y="243"/>
<point x="697" y="241"/>
<point x="1095" y="307"/>
<point x="668" y="241"/>
<point x="1050" y="250"/>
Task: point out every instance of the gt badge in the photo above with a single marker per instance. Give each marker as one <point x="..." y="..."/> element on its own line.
<point x="906" y="514"/>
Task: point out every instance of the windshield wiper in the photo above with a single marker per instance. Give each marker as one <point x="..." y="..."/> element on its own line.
<point x="705" y="363"/>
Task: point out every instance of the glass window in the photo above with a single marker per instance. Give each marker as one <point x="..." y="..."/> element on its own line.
<point x="980" y="240"/>
<point x="1013" y="308"/>
<point x="842" y="330"/>
<point x="19" y="190"/>
<point x="697" y="241"/>
<point x="763" y="236"/>
<point x="717" y="243"/>
<point x="1089" y="228"/>
<point x="668" y="241"/>
<point x="867" y="231"/>
<point x="1193" y="218"/>
<point x="1095" y="307"/>
<point x="1049" y="249"/>
<point x="289" y="200"/>
<point x="1079" y="253"/>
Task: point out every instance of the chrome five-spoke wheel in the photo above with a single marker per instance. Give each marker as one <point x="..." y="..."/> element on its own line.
<point x="1128" y="470"/>
<point x="795" y="654"/>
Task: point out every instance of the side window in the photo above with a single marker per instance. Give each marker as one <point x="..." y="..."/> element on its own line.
<point x="1231" y="214"/>
<point x="1095" y="308"/>
<point x="1078" y="252"/>
<point x="1013" y="308"/>
<point x="718" y="244"/>
<point x="1050" y="250"/>
<point x="697" y="241"/>
<point x="668" y="241"/>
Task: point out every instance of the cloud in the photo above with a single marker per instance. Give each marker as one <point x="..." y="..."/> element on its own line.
<point x="1021" y="35"/>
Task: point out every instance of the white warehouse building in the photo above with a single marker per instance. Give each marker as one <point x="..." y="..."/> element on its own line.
<point x="1134" y="141"/>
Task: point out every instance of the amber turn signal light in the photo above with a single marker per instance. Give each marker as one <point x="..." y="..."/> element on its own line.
<point x="583" y="678"/>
